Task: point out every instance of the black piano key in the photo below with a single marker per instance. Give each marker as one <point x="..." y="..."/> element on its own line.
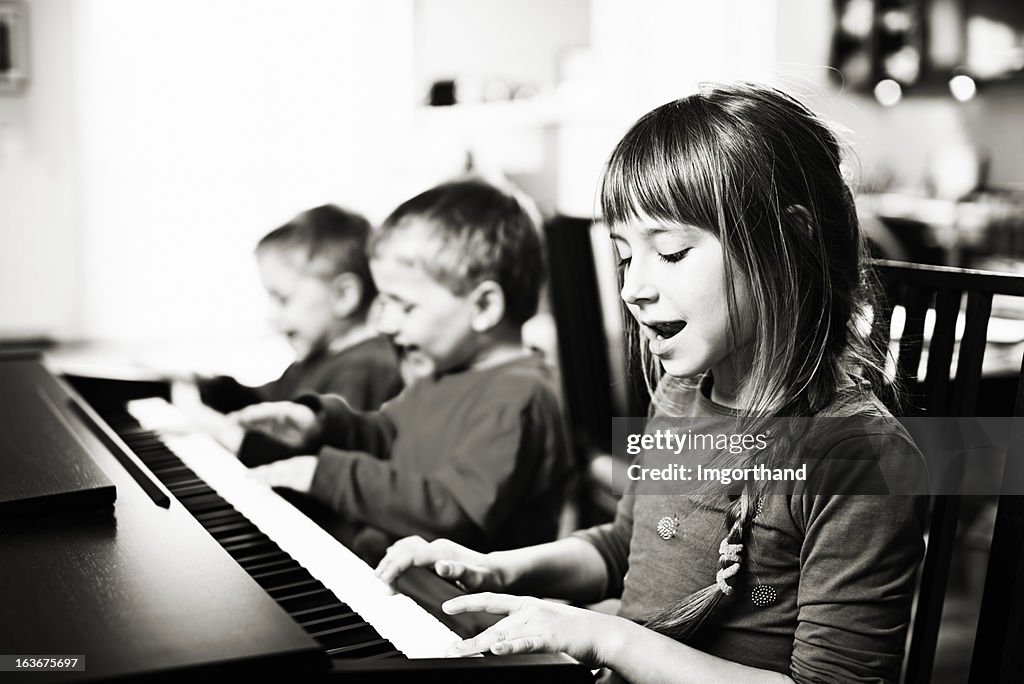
<point x="309" y="599"/>
<point x="170" y="470"/>
<point x="230" y="528"/>
<point x="384" y="654"/>
<point x="311" y="615"/>
<point x="184" y="479"/>
<point x="219" y="517"/>
<point x="329" y="622"/>
<point x="157" y="459"/>
<point x="362" y="650"/>
<point x="347" y="636"/>
<point x="189" y="488"/>
<point x="342" y="631"/>
<point x="292" y="588"/>
<point x="206" y="503"/>
<point x="258" y="557"/>
<point x="246" y="550"/>
<point x="185" y="488"/>
<point x="286" y="561"/>
<point x="381" y="649"/>
<point x="233" y="541"/>
<point x="283" y="575"/>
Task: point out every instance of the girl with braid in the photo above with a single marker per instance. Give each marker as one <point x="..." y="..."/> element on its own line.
<point x="740" y="262"/>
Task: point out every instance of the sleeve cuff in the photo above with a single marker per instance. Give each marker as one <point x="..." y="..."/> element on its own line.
<point x="332" y="468"/>
<point x="613" y="580"/>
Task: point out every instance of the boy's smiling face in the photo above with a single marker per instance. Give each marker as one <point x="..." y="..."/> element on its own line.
<point x="302" y="305"/>
<point x="432" y="325"/>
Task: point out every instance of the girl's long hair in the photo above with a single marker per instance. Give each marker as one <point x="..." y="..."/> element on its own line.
<point x="759" y="171"/>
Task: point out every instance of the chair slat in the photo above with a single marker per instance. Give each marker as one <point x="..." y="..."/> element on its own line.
<point x="1018" y="404"/>
<point x="998" y="654"/>
<point x="972" y="352"/>
<point x="916" y="301"/>
<point x="932" y="589"/>
<point x="940" y="351"/>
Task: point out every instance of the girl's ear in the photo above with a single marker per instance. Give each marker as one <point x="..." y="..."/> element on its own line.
<point x="800" y="217"/>
<point x="488" y="301"/>
<point x="346" y="294"/>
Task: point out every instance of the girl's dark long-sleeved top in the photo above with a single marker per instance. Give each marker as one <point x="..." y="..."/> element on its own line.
<point x="826" y="584"/>
<point x="366" y="374"/>
<point x="478" y="456"/>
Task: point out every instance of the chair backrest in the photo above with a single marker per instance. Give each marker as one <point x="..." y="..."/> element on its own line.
<point x="999" y="643"/>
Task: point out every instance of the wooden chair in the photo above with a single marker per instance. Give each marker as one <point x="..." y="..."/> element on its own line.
<point x="998" y="653"/>
<point x="583" y="361"/>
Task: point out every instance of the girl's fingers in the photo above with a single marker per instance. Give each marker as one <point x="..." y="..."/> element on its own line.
<point x="501" y="632"/>
<point x="525" y="644"/>
<point x="506" y="637"/>
<point x="486" y="602"/>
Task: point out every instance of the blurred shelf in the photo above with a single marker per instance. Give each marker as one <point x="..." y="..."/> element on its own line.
<point x="493" y="116"/>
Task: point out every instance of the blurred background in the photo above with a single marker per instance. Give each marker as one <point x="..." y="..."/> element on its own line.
<point x="146" y="145"/>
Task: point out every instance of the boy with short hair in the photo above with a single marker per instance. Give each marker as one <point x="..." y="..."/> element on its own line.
<point x="316" y="272"/>
<point x="475" y="450"/>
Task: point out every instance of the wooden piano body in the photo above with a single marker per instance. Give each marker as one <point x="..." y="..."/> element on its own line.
<point x="193" y="585"/>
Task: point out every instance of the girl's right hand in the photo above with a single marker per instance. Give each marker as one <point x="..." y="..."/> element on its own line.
<point x="293" y="424"/>
<point x="473" y="570"/>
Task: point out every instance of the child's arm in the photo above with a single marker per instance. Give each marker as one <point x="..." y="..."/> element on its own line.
<point x="569" y="568"/>
<point x="313" y="421"/>
<point x="485" y="474"/>
<point x="342" y="427"/>
<point x="225" y="394"/>
<point x="633" y="652"/>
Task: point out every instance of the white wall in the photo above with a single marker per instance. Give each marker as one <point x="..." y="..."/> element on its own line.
<point x="477" y="41"/>
<point x="205" y="124"/>
<point x="159" y="140"/>
<point x="40" y="273"/>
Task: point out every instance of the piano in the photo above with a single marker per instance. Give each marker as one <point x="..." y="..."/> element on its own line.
<point x="195" y="569"/>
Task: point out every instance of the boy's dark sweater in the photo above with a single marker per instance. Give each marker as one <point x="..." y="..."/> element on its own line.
<point x="478" y="456"/>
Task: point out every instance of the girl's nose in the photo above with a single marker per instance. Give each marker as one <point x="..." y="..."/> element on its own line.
<point x="635" y="287"/>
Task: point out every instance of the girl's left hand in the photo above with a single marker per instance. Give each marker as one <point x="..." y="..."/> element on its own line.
<point x="533" y="625"/>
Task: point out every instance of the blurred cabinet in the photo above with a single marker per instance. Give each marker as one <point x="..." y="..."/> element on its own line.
<point x="926" y="42"/>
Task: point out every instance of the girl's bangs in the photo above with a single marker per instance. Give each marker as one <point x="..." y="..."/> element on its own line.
<point x="656" y="172"/>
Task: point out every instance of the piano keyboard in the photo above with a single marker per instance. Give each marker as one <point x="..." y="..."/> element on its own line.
<point x="326" y="588"/>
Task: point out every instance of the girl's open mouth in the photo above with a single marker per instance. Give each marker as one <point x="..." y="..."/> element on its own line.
<point x="666" y="329"/>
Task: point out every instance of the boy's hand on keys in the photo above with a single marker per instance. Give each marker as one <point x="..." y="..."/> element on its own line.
<point x="470" y="569"/>
<point x="293" y="424"/>
<point x="294" y="473"/>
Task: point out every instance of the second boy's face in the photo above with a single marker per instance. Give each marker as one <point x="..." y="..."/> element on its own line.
<point x="432" y="326"/>
<point x="675" y="284"/>
<point x="301" y="302"/>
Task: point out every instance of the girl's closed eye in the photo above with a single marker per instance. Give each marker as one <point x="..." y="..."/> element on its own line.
<point x="675" y="256"/>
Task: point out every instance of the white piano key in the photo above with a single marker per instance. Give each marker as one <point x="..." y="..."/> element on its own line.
<point x="399" y="619"/>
